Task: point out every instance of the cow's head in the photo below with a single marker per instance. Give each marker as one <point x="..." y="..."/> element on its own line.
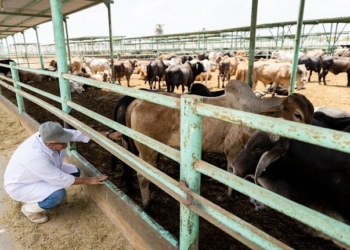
<point x="245" y="164"/>
<point x="76" y="87"/>
<point x="301" y="76"/>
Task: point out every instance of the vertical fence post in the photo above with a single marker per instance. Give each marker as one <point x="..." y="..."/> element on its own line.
<point x="252" y="41"/>
<point x="19" y="98"/>
<point x="190" y="152"/>
<point x="296" y="46"/>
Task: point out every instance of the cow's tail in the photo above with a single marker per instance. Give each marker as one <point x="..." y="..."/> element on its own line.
<point x="119" y="115"/>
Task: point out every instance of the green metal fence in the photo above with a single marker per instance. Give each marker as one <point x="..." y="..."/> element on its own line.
<point x="192" y="109"/>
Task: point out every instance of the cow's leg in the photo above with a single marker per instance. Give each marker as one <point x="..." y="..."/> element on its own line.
<point x="144" y="188"/>
<point x="323" y="75"/>
<point x="310" y="75"/>
<point x="228" y="79"/>
<point x="219" y="80"/>
<point x="128" y="80"/>
<point x="167" y="87"/>
<point x="159" y="78"/>
<point x="275" y="88"/>
<point x="149" y="156"/>
<point x="126" y="177"/>
<point x="348" y="79"/>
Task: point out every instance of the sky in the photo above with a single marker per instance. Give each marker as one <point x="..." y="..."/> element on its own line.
<point x="139" y="17"/>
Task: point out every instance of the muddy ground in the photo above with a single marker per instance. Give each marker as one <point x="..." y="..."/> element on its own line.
<point x="164" y="209"/>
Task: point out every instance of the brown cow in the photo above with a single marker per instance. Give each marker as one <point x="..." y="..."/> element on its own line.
<point x="227" y="68"/>
<point x="53" y="64"/>
<point x="279" y="73"/>
<point x="125" y="68"/>
<point x="226" y="138"/>
<point x="76" y="67"/>
<point x="30" y="77"/>
<point x="202" y="76"/>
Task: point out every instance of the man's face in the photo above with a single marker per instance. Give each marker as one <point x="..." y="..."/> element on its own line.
<point x="57" y="145"/>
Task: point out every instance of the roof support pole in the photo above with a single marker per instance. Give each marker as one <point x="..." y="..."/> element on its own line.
<point x="296" y="46"/>
<point x="39" y="49"/>
<point x="2" y="49"/>
<point x="61" y="54"/>
<point x="14" y="44"/>
<point x="68" y="47"/>
<point x="25" y="48"/>
<point x="8" y="48"/>
<point x="108" y="5"/>
<point x="252" y="41"/>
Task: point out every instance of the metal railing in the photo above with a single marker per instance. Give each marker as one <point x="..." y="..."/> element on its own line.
<point x="192" y="109"/>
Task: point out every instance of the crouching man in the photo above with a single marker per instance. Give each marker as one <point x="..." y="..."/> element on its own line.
<point x="36" y="174"/>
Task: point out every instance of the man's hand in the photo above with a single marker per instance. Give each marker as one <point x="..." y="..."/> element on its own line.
<point x="98" y="179"/>
<point x="90" y="180"/>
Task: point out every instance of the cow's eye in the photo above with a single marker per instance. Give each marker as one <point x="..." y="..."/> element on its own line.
<point x="257" y="147"/>
<point x="298" y="116"/>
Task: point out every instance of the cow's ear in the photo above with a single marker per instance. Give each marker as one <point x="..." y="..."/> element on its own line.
<point x="273" y="111"/>
<point x="279" y="149"/>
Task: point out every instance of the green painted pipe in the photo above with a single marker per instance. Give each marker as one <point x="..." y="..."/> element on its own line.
<point x="61" y="54"/>
<point x="296" y="47"/>
<point x="190" y="145"/>
<point x="19" y="98"/>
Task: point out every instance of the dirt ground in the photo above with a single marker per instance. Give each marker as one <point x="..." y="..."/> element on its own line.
<point x="164" y="209"/>
<point x="77" y="223"/>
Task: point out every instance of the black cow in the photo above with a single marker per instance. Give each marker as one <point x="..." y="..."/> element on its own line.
<point x="156" y="68"/>
<point x="184" y="75"/>
<point x="309" y="174"/>
<point x="321" y="119"/>
<point x="184" y="58"/>
<point x="312" y="63"/>
<point x="335" y="65"/>
<point x="5" y="70"/>
<point x="202" y="56"/>
<point x="202" y="90"/>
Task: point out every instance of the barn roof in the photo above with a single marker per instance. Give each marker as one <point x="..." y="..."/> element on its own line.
<point x="18" y="16"/>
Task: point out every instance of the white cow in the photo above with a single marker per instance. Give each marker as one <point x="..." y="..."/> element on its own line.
<point x="76" y="87"/>
<point x="315" y="52"/>
<point x="172" y="61"/>
<point x="285" y="55"/>
<point x="215" y="56"/>
<point x="98" y="65"/>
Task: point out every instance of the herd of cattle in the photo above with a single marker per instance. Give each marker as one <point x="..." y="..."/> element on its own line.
<point x="175" y="70"/>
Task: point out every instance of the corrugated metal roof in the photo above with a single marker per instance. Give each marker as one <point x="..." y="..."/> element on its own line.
<point x="20" y="15"/>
